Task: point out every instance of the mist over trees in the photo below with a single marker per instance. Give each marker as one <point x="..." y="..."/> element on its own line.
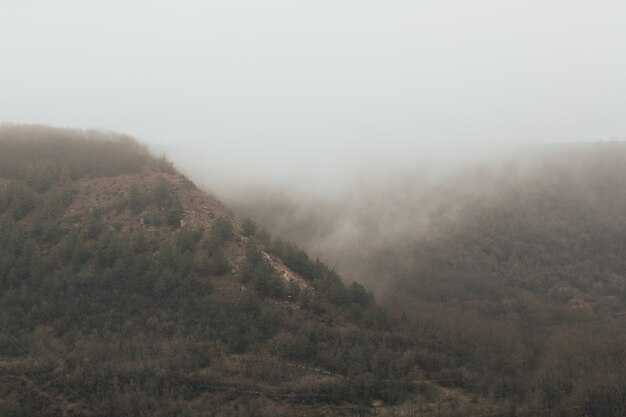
<point x="80" y="153"/>
<point x="514" y="269"/>
<point x="550" y="188"/>
<point x="110" y="302"/>
<point x="500" y="290"/>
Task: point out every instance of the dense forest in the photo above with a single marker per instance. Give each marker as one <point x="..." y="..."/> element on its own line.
<point x="530" y="279"/>
<point x="127" y="291"/>
<point x="511" y="272"/>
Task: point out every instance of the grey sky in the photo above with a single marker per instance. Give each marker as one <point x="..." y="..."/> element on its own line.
<point x="307" y="88"/>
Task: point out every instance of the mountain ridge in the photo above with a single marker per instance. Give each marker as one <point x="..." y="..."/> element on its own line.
<point x="126" y="290"/>
<point x="496" y="268"/>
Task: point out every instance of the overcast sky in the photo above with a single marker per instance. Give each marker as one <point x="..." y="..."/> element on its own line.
<point x="304" y="89"/>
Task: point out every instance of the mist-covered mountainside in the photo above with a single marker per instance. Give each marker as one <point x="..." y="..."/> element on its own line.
<point x="549" y="218"/>
<point x="127" y="291"/>
<point x="515" y="270"/>
<point x="554" y="226"/>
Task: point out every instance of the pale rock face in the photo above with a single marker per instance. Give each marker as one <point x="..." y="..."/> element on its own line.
<point x="285" y="272"/>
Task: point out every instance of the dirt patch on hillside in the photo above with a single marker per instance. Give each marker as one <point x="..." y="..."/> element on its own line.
<point x="108" y="197"/>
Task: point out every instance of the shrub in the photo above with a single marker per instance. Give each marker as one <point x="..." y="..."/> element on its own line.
<point x="221" y="229"/>
<point x="248" y="227"/>
<point x="135" y="200"/>
<point x="173" y="214"/>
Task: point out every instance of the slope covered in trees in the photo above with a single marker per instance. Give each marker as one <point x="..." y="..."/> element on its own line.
<point x="125" y="290"/>
<point x="512" y="273"/>
<point x="528" y="281"/>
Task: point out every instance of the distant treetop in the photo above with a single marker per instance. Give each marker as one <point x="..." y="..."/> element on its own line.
<point x="78" y="153"/>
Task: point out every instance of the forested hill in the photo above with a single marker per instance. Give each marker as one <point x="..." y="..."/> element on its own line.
<point x="533" y="265"/>
<point x="524" y="282"/>
<point x="512" y="272"/>
<point x="125" y="290"/>
<point x="554" y="224"/>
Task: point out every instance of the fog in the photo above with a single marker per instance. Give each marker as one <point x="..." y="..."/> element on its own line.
<point x="365" y="226"/>
<point x="283" y="88"/>
<point x="325" y="107"/>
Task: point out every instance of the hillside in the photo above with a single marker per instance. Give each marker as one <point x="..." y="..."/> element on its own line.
<point x="530" y="277"/>
<point x="126" y="290"/>
<point x="512" y="273"/>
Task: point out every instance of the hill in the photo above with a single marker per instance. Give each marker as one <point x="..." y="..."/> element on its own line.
<point x="512" y="273"/>
<point x="529" y="277"/>
<point x="125" y="290"/>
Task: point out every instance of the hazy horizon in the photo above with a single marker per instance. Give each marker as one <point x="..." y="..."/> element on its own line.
<point x="318" y="94"/>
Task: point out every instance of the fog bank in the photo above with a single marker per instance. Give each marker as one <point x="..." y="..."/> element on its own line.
<point x="369" y="228"/>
